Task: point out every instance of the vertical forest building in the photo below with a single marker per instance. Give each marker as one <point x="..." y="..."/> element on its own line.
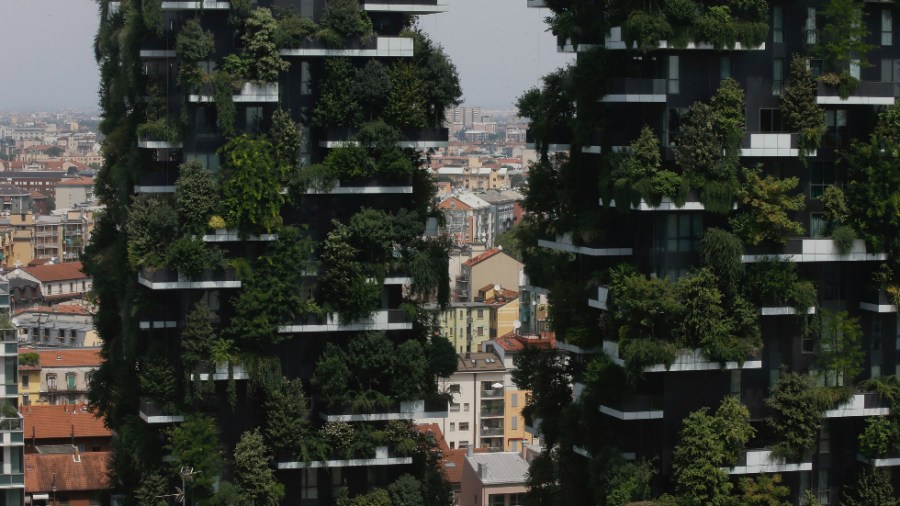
<point x="714" y="214"/>
<point x="267" y="246"/>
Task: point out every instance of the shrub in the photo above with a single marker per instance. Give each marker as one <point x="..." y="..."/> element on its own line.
<point x="190" y="257"/>
<point x="294" y="30"/>
<point x="767" y="203"/>
<point x="193" y="42"/>
<point x="260" y="47"/>
<point x="151" y="226"/>
<point x="801" y="112"/>
<point x="161" y="129"/>
<point x="843" y="237"/>
<point x="798" y="409"/>
<point x="347" y="19"/>
<point x="252" y="187"/>
<point x="196" y="197"/>
<point x="880" y="438"/>
<point x="645" y="30"/>
<point x="721" y="251"/>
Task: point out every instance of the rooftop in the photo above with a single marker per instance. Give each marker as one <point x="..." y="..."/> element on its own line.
<point x="66" y="472"/>
<point x="74" y="309"/>
<point x="515" y="342"/>
<point x="482" y="257"/>
<point x="62" y="421"/>
<point x="453" y="463"/>
<point x="57" y="272"/>
<point x="78" y="181"/>
<point x="499" y="468"/>
<point x="479" y="362"/>
<point x="71" y="357"/>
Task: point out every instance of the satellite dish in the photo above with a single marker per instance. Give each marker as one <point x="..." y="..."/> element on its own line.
<point x="496" y="288"/>
<point x="517" y="324"/>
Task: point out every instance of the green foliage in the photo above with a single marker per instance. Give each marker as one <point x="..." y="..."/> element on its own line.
<point x="157" y="381"/>
<point x="198" y="336"/>
<point x="645" y="30"/>
<point x="550" y="109"/>
<point x="875" y="184"/>
<point x="766" y="207"/>
<point x="293" y="30"/>
<point x="440" y="80"/>
<point x="843" y="236"/>
<point x="151" y="225"/>
<point x="190" y="257"/>
<point x="275" y="292"/>
<point x="30" y="359"/>
<point x="639" y="307"/>
<point x="872" y="488"/>
<point x="223" y="84"/>
<point x="287" y="421"/>
<point x="377" y="497"/>
<point x="702" y="321"/>
<point x="798" y="105"/>
<point x="545" y="373"/>
<point x="347" y="19"/>
<point x="372" y="87"/>
<point x="193" y="43"/>
<point x="639" y="174"/>
<point x="777" y="282"/>
<point x="151" y="12"/>
<point x="336" y="106"/>
<point x="842" y="38"/>
<point x="798" y="409"/>
<point x="260" y="48"/>
<point x="628" y="482"/>
<point x="708" y="443"/>
<point x="252" y="472"/>
<point x="764" y="490"/>
<point x="880" y="438"/>
<point x="195" y="443"/>
<point x="406" y="107"/>
<point x="839" y="354"/>
<point x="406" y="491"/>
<point x="287" y="141"/>
<point x="835" y="202"/>
<point x="441" y="356"/>
<point x="150" y="492"/>
<point x="196" y="197"/>
<point x="161" y="129"/>
<point x="721" y="251"/>
<point x="252" y="187"/>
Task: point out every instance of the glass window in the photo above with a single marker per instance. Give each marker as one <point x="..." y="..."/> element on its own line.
<point x="811" y="35"/>
<point x="887" y="30"/>
<point x="514" y="423"/>
<point x="463" y="426"/>
<point x="481" y="313"/>
<point x="835" y="128"/>
<point x="452" y="426"/>
<point x="822" y="175"/>
<point x="466" y="407"/>
<point x="777" y="76"/>
<point x="454" y="406"/>
<point x="70" y="381"/>
<point x="777" y="25"/>
<point x="516" y="499"/>
<point x="25" y="380"/>
<point x="51" y="381"/>
<point x="683" y="231"/>
<point x="725" y="67"/>
<point x="876" y="334"/>
<point x="770" y="120"/>
<point x="514" y="400"/>
<point x="673" y="75"/>
<point x="497" y="500"/>
<point x="454" y="388"/>
<point x="817" y="225"/>
<point x="309" y="484"/>
<point x="254" y="119"/>
<point x="463" y="444"/>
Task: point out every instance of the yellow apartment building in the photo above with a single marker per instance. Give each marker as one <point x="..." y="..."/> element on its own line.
<point x="467" y="325"/>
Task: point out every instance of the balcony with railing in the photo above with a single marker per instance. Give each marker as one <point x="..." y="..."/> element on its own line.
<point x="492" y="393"/>
<point x="153" y="412"/>
<point x="862" y="404"/>
<point x="431" y="407"/>
<point x="250" y="92"/>
<point x="877" y="301"/>
<point x="417" y="7"/>
<point x="12" y="480"/>
<point x="491" y="409"/>
<point x="688" y="360"/>
<point x="636" y="90"/>
<point x="564" y="243"/>
<point x="207" y="5"/>
<point x="383" y="319"/>
<point x="891" y="459"/>
<point x="376" y="185"/>
<point x="639" y="407"/>
<point x="384" y="456"/>
<point x="762" y="461"/>
<point x="614" y="40"/>
<point x="807" y="249"/>
<point x="219" y="372"/>
<point x="767" y="145"/>
<point x="372" y="47"/>
<point x="416" y="138"/>
<point x="867" y="93"/>
<point x="165" y="279"/>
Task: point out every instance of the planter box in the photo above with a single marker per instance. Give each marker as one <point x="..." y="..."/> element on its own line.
<point x="687" y="360"/>
<point x="811" y="250"/>
<point x="374" y="47"/>
<point x="867" y="93"/>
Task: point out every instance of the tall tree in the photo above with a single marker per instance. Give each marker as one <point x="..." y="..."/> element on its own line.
<point x="252" y="471"/>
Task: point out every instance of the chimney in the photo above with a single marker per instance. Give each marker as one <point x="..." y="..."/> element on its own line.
<point x="482" y="471"/>
<point x="471" y="452"/>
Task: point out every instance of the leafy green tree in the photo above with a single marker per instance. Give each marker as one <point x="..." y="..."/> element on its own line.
<point x="252" y="194"/>
<point x="287" y="420"/>
<point x="546" y="374"/>
<point x="377" y="497"/>
<point x="193" y="43"/>
<point x="196" y="197"/>
<point x="797" y="419"/>
<point x="708" y="443"/>
<point x="195" y="443"/>
<point x="509" y="241"/>
<point x="628" y="482"/>
<point x="152" y="488"/>
<point x="702" y="321"/>
<point x="874" y="184"/>
<point x="287" y="140"/>
<point x="371" y="87"/>
<point x="336" y="106"/>
<point x="842" y="40"/>
<point x="151" y="226"/>
<point x="798" y="105"/>
<point x="764" y="490"/>
<point x="55" y="151"/>
<point x="880" y="437"/>
<point x="442" y="357"/>
<point x="721" y="252"/>
<point x="440" y="79"/>
<point x="198" y="337"/>
<point x="347" y="19"/>
<point x="410" y="384"/>
<point x="872" y="488"/>
<point x="550" y="109"/>
<point x="190" y="257"/>
<point x="767" y="204"/>
<point x="839" y="354"/>
<point x="260" y="49"/>
<point x="252" y="472"/>
<point x="406" y="491"/>
<point x="157" y="381"/>
<point x="406" y="103"/>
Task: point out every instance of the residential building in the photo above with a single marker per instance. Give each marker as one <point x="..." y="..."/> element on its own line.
<point x="610" y="250"/>
<point x="48" y="284"/>
<point x="12" y="480"/>
<point x="468" y="219"/>
<point x="309" y="255"/>
<point x="494" y="479"/>
<point x="466" y="325"/>
<point x="492" y="267"/>
<point x="64" y="375"/>
<point x="476" y="410"/>
<point x="506" y="348"/>
<point x="67" y="454"/>
<point x="63" y="325"/>
<point x="14" y="200"/>
<point x="504" y="309"/>
<point x="74" y="192"/>
<point x="506" y="208"/>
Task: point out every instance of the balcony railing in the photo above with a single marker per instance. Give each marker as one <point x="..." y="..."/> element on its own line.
<point x="762" y="461"/>
<point x="384" y="456"/>
<point x="152" y="412"/>
<point x="491" y="431"/>
<point x="808" y="249"/>
<point x="487" y="410"/>
<point x="431" y="407"/>
<point x="16" y="480"/>
<point x="409" y="137"/>
<point x="493" y="392"/>
<point x="165" y="279"/>
<point x="869" y="93"/>
<point x="877" y="301"/>
<point x="863" y="404"/>
<point x="11" y="424"/>
<point x="636" y="90"/>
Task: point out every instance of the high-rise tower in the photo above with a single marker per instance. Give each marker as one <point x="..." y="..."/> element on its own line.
<point x="712" y="215"/>
<point x="267" y="241"/>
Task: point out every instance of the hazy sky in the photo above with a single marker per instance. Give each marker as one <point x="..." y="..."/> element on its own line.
<point x="499" y="46"/>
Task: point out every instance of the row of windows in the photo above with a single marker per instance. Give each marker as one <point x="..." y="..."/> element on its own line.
<point x="71" y="380"/>
<point x="59" y="287"/>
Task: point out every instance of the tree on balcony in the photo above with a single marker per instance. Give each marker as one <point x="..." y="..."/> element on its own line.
<point x="260" y="49"/>
<point x="347" y="19"/>
<point x="336" y="106"/>
<point x="151" y="490"/>
<point x="639" y="175"/>
<point x="406" y="102"/>
<point x="253" y="475"/>
<point x="798" y="408"/>
<point x="252" y="188"/>
<point x="842" y="44"/>
<point x="767" y="204"/>
<point x="872" y="488"/>
<point x="798" y="104"/>
<point x="196" y="197"/>
<point x="195" y="443"/>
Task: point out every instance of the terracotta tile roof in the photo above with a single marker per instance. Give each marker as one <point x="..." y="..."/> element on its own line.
<point x="59" y="421"/>
<point x="453" y="463"/>
<point x="515" y="342"/>
<point x="66" y="357"/>
<point x="434" y="429"/>
<point x="482" y="257"/>
<point x="78" y="181"/>
<point x="37" y="195"/>
<point x="57" y="272"/>
<point x="43" y="472"/>
<point x="58" y="309"/>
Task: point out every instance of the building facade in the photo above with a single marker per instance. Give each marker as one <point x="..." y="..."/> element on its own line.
<point x="605" y="237"/>
<point x="333" y="105"/>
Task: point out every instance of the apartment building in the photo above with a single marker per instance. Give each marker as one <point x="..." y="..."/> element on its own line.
<point x="310" y="246"/>
<point x="12" y="479"/>
<point x="466" y="325"/>
<point x="489" y="268"/>
<point x="601" y="230"/>
<point x="48" y="284"/>
<point x="63" y="375"/>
